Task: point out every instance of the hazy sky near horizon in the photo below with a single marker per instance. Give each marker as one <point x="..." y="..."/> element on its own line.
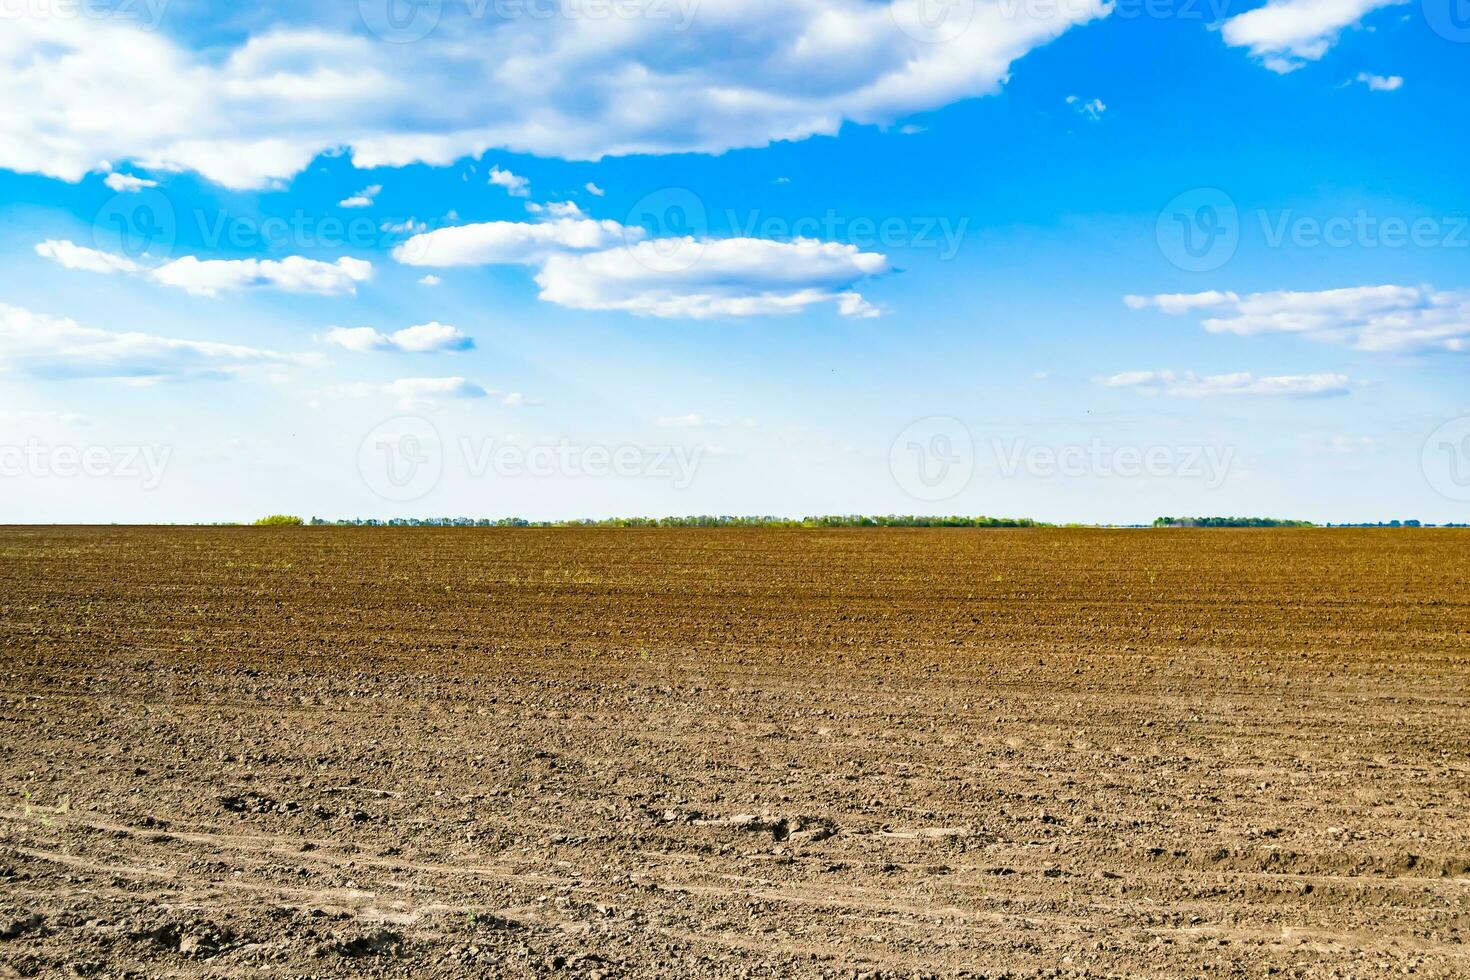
<point x="1050" y="258"/>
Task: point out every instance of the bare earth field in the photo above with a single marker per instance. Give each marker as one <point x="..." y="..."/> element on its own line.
<point x="686" y="754"/>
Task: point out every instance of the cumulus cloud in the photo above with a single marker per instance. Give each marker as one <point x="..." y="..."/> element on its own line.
<point x="514" y="185"/>
<point x="1286" y="34"/>
<point x="127" y="183"/>
<point x="363" y="198"/>
<point x="701" y="278"/>
<point x="41" y="346"/>
<point x="742" y="73"/>
<point x="210" y="277"/>
<point x="74" y="256"/>
<point x="430" y="280"/>
<point x="689" y="277"/>
<point x="1187" y="384"/>
<point x="292" y="275"/>
<point x="557" y="209"/>
<point x="509" y="242"/>
<point x="594" y="190"/>
<point x="426" y="338"/>
<point x="1380" y="83"/>
<point x="1401" y="319"/>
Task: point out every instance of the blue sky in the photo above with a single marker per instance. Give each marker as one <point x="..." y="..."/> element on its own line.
<point x="1037" y="257"/>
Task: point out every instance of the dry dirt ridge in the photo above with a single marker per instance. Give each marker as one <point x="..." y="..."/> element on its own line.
<point x="687" y="754"/>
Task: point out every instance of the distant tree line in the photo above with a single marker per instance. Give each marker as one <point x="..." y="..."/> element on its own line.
<point x="832" y="521"/>
<point x="1228" y="522"/>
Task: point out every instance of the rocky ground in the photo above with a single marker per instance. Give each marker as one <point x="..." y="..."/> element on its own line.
<point x="685" y="754"/>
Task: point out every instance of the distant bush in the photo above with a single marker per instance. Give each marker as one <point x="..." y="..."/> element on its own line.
<point x="279" y="520"/>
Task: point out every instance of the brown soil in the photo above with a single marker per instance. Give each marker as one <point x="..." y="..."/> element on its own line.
<point x="443" y="753"/>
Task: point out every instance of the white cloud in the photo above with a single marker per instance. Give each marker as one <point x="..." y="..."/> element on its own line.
<point x="363" y="198"/>
<point x="426" y="338"/>
<point x="1176" y="303"/>
<point x="127" y="183"/>
<point x="413" y="389"/>
<point x="210" y="277"/>
<point x="409" y="227"/>
<point x="594" y="190"/>
<point x="1338" y="445"/>
<point x="1092" y="108"/>
<point x="514" y="186"/>
<point x="25" y="415"/>
<point x="1286" y="34"/>
<point x="691" y="421"/>
<point x="74" y="256"/>
<point x="37" y="345"/>
<point x="742" y="73"/>
<point x="430" y="280"/>
<point x="1403" y="319"/>
<point x="509" y="242"/>
<point x="292" y="275"/>
<point x="557" y="209"/>
<point x="411" y="392"/>
<point x="696" y="278"/>
<point x="1381" y="83"/>
<point x="1187" y="384"/>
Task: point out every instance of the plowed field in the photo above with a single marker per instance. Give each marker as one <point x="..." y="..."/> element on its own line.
<point x="686" y="754"/>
